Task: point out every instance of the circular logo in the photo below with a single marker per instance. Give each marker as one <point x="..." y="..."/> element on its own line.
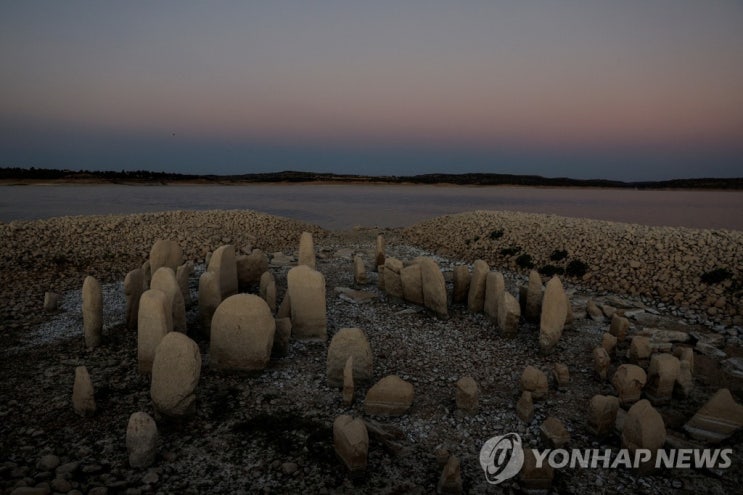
<point x="502" y="457"/>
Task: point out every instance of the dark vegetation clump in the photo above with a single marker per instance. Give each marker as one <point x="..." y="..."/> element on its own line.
<point x="496" y="234"/>
<point x="550" y="270"/>
<point x="525" y="261"/>
<point x="716" y="276"/>
<point x="576" y="268"/>
<point x="510" y="251"/>
<point x="558" y="254"/>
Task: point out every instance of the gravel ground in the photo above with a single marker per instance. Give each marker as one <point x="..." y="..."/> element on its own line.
<point x="271" y="432"/>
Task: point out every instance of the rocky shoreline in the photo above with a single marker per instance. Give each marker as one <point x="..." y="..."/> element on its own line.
<point x="271" y="432"/>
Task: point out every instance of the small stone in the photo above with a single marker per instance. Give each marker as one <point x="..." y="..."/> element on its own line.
<point x="51" y="301"/>
<point x="602" y="414"/>
<point x="534" y="381"/>
<point x="619" y="327"/>
<point x="450" y="482"/>
<point x="83" y="400"/>
<point x="351" y="443"/>
<point x="609" y="342"/>
<point x="379" y="252"/>
<point x="390" y="396"/>
<point x="554" y="311"/>
<point x="594" y="312"/>
<point x="467" y="395"/>
<point x="561" y="374"/>
<point x="533" y="479"/>
<point x="601" y="362"/>
<point x="48" y="462"/>
<point x="628" y="381"/>
<point x="92" y="312"/>
<point x="289" y="468"/>
<point x="306" y="250"/>
<point x="141" y="440"/>
<point x="359" y="271"/>
<point x="61" y="485"/>
<point x="639" y="349"/>
<point x="348" y="383"/>
<point x="525" y="407"/>
<point x="553" y="433"/>
<point x="150" y="478"/>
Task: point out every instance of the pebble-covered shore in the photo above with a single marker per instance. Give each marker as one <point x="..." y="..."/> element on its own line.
<point x="663" y="264"/>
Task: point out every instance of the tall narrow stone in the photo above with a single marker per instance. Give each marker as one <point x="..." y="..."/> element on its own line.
<point x="349" y="342"/>
<point x="175" y="374"/>
<point x="643" y="429"/>
<point x="83" y="395"/>
<point x="242" y="334"/>
<point x="147" y="272"/>
<point x="155" y="321"/>
<point x="467" y="395"/>
<point x="509" y="314"/>
<point x="164" y="279"/>
<point x="525" y="407"/>
<point x="554" y="311"/>
<point x="250" y="268"/>
<point x="224" y="265"/>
<point x="662" y="373"/>
<point x="267" y="289"/>
<point x="182" y="275"/>
<point x="461" y="284"/>
<point x="308" y="307"/>
<point x="434" y="288"/>
<point x="379" y="252"/>
<point x="619" y="327"/>
<point x="306" y="250"/>
<point x="412" y="288"/>
<point x="601" y="362"/>
<point x="534" y="291"/>
<point x="476" y="294"/>
<point x="348" y="382"/>
<point x="165" y="253"/>
<point x="359" y="271"/>
<point x="209" y="299"/>
<point x="92" y="312"/>
<point x="281" y="337"/>
<point x="392" y="280"/>
<point x="602" y="414"/>
<point x="141" y="440"/>
<point x="133" y="288"/>
<point x="495" y="285"/>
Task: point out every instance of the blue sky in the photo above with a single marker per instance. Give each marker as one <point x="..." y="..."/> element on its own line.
<point x="630" y="90"/>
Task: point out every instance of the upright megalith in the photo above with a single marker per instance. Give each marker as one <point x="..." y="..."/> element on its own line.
<point x="602" y="414"/>
<point x="242" y="334"/>
<point x="643" y="429"/>
<point x="165" y="253"/>
<point x="461" y="278"/>
<point x="346" y="343"/>
<point x="412" y="286"/>
<point x="662" y="374"/>
<point x="92" y="312"/>
<point x="390" y="396"/>
<point x="359" y="271"/>
<point x="535" y="381"/>
<point x="628" y="381"/>
<point x="434" y="288"/>
<point x="224" y="265"/>
<point x="141" y="440"/>
<point x="379" y="251"/>
<point x="133" y="289"/>
<point x="175" y="374"/>
<point x="147" y="272"/>
<point x="182" y="274"/>
<point x="307" y="299"/>
<point x="351" y="443"/>
<point x="476" y="294"/>
<point x="495" y="284"/>
<point x="534" y="292"/>
<point x="392" y="278"/>
<point x="306" y="250"/>
<point x="83" y="394"/>
<point x="267" y="289"/>
<point x="509" y="314"/>
<point x="154" y="322"/>
<point x="619" y="327"/>
<point x="554" y="312"/>
<point x="250" y="268"/>
<point x="164" y="280"/>
<point x="281" y="337"/>
<point x="209" y="299"/>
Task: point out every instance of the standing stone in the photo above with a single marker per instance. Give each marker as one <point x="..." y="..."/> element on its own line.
<point x="348" y="383"/>
<point x="250" y="268"/>
<point x="594" y="312"/>
<point x="83" y="395"/>
<point x="285" y="308"/>
<point x="154" y="322"/>
<point x="434" y="288"/>
<point x="147" y="272"/>
<point x="164" y="279"/>
<point x="601" y="362"/>
<point x="718" y="419"/>
<point x="685" y="354"/>
<point x="553" y="433"/>
<point x="242" y="334"/>
<point x="209" y="299"/>
<point x="467" y="395"/>
<point x="306" y="250"/>
<point x="609" y="342"/>
<point x="643" y="429"/>
<point x="379" y="251"/>
<point x="534" y="291"/>
<point x="639" y="349"/>
<point x="684" y="381"/>
<point x="534" y="381"/>
<point x="628" y="381"/>
<point x="175" y="374"/>
<point x="461" y="284"/>
<point x="351" y="443"/>
<point x="561" y="374"/>
<point x="92" y="312"/>
<point x="165" y="253"/>
<point x="412" y="288"/>
<point x="525" y="407"/>
<point x="662" y="373"/>
<point x="51" y="301"/>
<point x="476" y="294"/>
<point x="182" y="275"/>
<point x="602" y="414"/>
<point x="554" y="311"/>
<point x="509" y="314"/>
<point x="392" y="278"/>
<point x="133" y="289"/>
<point x="359" y="271"/>
<point x="619" y="327"/>
<point x="390" y="396"/>
<point x="450" y="482"/>
<point x="141" y="440"/>
<point x="281" y="337"/>
<point x="307" y="297"/>
<point x="533" y="479"/>
<point x="224" y="265"/>
<point x="267" y="289"/>
<point x="349" y="342"/>
<point x="495" y="285"/>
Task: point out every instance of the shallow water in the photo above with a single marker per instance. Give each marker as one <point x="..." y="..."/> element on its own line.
<point x="344" y="206"/>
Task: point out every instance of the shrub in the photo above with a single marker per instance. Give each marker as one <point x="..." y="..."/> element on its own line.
<point x="558" y="254"/>
<point x="524" y="261"/>
<point x="496" y="234"/>
<point x="576" y="268"/>
<point x="510" y="251"/>
<point x="549" y="270"/>
<point x="716" y="276"/>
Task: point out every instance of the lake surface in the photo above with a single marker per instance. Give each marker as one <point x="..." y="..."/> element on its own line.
<point x="344" y="206"/>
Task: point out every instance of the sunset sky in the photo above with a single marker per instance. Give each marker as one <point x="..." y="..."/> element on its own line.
<point x="631" y="90"/>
